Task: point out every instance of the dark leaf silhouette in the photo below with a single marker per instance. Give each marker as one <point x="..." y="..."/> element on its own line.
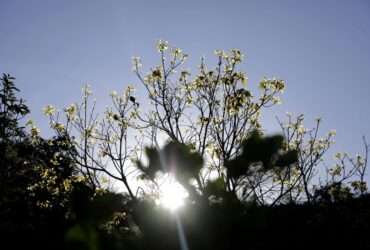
<point x="262" y="151"/>
<point x="174" y="158"/>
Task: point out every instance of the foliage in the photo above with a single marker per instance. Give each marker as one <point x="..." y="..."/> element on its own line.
<point x="101" y="147"/>
<point x="12" y="109"/>
<point x="41" y="194"/>
<point x="244" y="186"/>
<point x="213" y="113"/>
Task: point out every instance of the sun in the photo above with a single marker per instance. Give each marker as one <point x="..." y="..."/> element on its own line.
<point x="171" y="194"/>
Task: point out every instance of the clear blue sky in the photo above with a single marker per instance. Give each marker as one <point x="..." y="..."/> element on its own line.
<point x="321" y="48"/>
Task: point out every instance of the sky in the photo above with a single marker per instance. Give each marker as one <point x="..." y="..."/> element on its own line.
<point x="320" y="48"/>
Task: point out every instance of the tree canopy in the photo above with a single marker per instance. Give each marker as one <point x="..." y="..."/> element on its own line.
<point x="243" y="185"/>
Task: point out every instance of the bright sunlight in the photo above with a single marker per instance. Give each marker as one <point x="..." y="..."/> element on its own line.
<point x="171" y="194"/>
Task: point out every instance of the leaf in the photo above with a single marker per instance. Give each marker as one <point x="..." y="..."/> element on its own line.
<point x="287" y="158"/>
<point x="259" y="150"/>
<point x="175" y="158"/>
<point x="215" y="187"/>
<point x="154" y="163"/>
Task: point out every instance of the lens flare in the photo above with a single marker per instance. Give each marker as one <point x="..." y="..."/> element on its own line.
<point x="172" y="195"/>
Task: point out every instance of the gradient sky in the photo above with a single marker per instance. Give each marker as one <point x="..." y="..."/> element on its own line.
<point x="320" y="48"/>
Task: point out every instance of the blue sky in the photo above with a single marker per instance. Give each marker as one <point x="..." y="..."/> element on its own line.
<point x="320" y="48"/>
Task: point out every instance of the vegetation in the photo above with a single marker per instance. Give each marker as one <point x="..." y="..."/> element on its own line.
<point x="243" y="186"/>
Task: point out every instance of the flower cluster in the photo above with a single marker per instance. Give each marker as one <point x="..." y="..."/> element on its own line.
<point x="233" y="57"/>
<point x="272" y="84"/>
<point x="71" y="111"/>
<point x="49" y="110"/>
<point x="162" y="46"/>
<point x="238" y="100"/>
<point x="51" y="189"/>
<point x="34" y="131"/>
<point x="118" y="222"/>
<point x="213" y="110"/>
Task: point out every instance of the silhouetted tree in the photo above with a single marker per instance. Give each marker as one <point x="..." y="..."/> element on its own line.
<point x="212" y="112"/>
<point x="246" y="189"/>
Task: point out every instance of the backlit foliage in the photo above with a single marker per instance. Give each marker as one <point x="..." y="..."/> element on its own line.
<point x="212" y="112"/>
<point x="201" y="131"/>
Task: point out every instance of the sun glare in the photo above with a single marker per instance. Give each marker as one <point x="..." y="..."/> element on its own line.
<point x="171" y="195"/>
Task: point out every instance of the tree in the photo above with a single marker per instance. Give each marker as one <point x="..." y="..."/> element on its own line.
<point x="12" y="109"/>
<point x="244" y="185"/>
<point x="43" y="199"/>
<point x="213" y="113"/>
<point x="35" y="173"/>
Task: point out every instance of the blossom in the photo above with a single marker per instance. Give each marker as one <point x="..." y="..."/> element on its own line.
<point x="86" y="90"/>
<point x="113" y="94"/>
<point x="242" y="77"/>
<point x="79" y="178"/>
<point x="35" y="131"/>
<point x="221" y="53"/>
<point x="67" y="184"/>
<point x="272" y="84"/>
<point x="276" y="100"/>
<point x="104" y="180"/>
<point x="177" y="52"/>
<point x="188" y="99"/>
<point x="71" y="111"/>
<point x="58" y="126"/>
<point x="332" y="132"/>
<point x="48" y="110"/>
<point x="359" y="186"/>
<point x="301" y="129"/>
<point x="237" y="56"/>
<point x="162" y="46"/>
<point x="293" y="144"/>
<point x="136" y="63"/>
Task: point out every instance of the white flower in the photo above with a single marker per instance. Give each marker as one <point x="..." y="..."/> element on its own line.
<point x="136" y="63"/>
<point x="332" y="132"/>
<point x="237" y="55"/>
<point x="113" y="94"/>
<point x="162" y="45"/>
<point x="276" y="100"/>
<point x="48" y="110"/>
<point x="71" y="111"/>
<point x="86" y="90"/>
<point x="301" y="129"/>
<point x="177" y="52"/>
<point x="220" y="53"/>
